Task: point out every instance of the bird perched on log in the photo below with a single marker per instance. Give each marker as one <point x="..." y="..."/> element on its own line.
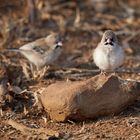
<point x="108" y="55"/>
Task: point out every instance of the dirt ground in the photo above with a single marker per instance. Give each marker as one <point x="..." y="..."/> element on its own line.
<point x="81" y="24"/>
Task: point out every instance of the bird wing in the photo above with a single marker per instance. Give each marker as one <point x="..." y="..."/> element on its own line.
<point x="39" y="46"/>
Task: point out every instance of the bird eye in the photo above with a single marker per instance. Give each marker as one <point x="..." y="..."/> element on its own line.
<point x="56" y="42"/>
<point x="112" y="39"/>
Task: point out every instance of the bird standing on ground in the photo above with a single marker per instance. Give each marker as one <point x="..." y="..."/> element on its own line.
<point x="108" y="55"/>
<point x="41" y="52"/>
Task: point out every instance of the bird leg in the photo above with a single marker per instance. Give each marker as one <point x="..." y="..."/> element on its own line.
<point x="114" y="73"/>
<point x="43" y="71"/>
<point x="34" y="71"/>
<point x="31" y="67"/>
<point x="103" y="73"/>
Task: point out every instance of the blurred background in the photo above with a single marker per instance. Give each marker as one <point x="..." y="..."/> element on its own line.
<point x="81" y="24"/>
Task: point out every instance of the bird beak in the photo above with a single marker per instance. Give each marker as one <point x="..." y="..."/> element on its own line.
<point x="109" y="41"/>
<point x="59" y="44"/>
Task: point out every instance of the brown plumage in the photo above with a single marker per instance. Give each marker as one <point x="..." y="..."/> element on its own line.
<point x="42" y="51"/>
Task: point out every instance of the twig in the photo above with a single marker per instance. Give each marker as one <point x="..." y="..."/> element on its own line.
<point x="129" y="10"/>
<point x="32" y="131"/>
<point x="77" y="18"/>
<point x="129" y="125"/>
<point x="74" y="73"/>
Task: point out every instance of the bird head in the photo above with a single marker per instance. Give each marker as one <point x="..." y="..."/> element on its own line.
<point x="54" y="41"/>
<point x="109" y="38"/>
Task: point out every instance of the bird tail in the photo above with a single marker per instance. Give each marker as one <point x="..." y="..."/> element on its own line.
<point x="13" y="50"/>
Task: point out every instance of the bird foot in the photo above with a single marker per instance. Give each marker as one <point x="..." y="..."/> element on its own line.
<point x="103" y="73"/>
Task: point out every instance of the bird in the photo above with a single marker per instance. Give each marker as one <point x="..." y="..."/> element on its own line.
<point x="41" y="52"/>
<point x="108" y="55"/>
